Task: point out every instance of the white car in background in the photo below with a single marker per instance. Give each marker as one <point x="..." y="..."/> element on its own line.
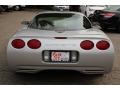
<point x="61" y="7"/>
<point x="88" y="10"/>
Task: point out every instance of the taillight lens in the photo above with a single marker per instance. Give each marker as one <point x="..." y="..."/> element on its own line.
<point x="87" y="45"/>
<point x="34" y="44"/>
<point x="108" y="14"/>
<point x="102" y="45"/>
<point x="18" y="43"/>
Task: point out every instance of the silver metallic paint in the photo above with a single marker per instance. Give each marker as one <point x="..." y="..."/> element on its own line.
<point x="30" y="60"/>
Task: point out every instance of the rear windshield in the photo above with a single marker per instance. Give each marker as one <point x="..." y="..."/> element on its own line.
<point x="60" y="21"/>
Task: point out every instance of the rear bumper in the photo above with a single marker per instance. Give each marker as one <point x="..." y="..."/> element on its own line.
<point x="90" y="60"/>
<point x="85" y="70"/>
<point x="87" y="63"/>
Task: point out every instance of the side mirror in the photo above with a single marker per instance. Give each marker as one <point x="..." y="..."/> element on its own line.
<point x="25" y="22"/>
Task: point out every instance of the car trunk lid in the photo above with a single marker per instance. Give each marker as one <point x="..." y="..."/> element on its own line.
<point x="90" y="33"/>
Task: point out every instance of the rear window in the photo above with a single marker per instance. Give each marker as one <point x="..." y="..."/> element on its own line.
<point x="60" y="21"/>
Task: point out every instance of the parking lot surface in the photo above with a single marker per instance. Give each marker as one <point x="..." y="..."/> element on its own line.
<point x="10" y="23"/>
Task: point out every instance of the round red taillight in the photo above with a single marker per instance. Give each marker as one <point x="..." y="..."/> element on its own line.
<point x="87" y="45"/>
<point x="102" y="45"/>
<point x="34" y="44"/>
<point x="18" y="43"/>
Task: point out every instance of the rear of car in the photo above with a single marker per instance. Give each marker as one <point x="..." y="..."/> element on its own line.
<point x="109" y="18"/>
<point x="60" y="41"/>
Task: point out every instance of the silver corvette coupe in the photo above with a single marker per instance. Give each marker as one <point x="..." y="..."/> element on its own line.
<point x="62" y="41"/>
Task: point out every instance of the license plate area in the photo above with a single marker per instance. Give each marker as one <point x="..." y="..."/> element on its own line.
<point x="60" y="56"/>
